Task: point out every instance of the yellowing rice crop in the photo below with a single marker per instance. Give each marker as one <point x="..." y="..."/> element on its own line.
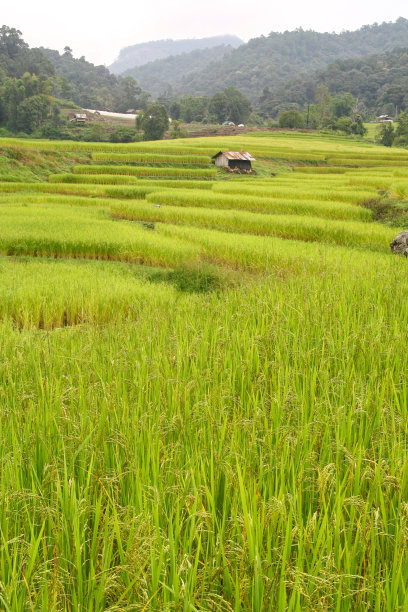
<point x="203" y="399"/>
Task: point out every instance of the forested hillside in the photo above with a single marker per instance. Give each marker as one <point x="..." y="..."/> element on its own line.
<point x="160" y="75"/>
<point x="379" y="82"/>
<point x="143" y="53"/>
<point x="272" y="60"/>
<point x="93" y="86"/>
<point x="35" y="82"/>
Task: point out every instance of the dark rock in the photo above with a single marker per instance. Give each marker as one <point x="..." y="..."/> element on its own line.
<point x="400" y="244"/>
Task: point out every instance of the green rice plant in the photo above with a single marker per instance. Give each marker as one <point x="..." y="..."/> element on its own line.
<point x="45" y="294"/>
<point x="151" y="157"/>
<point x="346" y="194"/>
<point x="85" y="232"/>
<point x="367" y="162"/>
<point x="139" y="190"/>
<point x="350" y="233"/>
<point x="116" y="191"/>
<point x="320" y="170"/>
<point x="146" y="171"/>
<point x="99" y="179"/>
<point x="263" y="253"/>
<point x="321" y="208"/>
<point x="399" y="188"/>
<point x="168" y="447"/>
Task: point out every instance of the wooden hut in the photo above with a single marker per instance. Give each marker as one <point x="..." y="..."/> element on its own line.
<point x="80" y="118"/>
<point x="234" y="159"/>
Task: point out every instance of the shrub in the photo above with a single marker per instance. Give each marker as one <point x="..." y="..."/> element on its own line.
<point x="291" y="119"/>
<point x="123" y="134"/>
<point x="385" y="134"/>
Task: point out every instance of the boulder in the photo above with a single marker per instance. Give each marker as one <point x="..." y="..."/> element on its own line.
<point x="400" y="244"/>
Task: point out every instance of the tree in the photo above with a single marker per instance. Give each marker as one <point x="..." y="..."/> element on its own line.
<point x="401" y="133"/>
<point x="218" y="107"/>
<point x="323" y="98"/>
<point x="385" y="134"/>
<point x="291" y="119"/>
<point x="154" y="122"/>
<point x="239" y="107"/>
<point x="357" y="127"/>
<point x="342" y="106"/>
<point x="31" y="112"/>
<point x="230" y="105"/>
<point x="128" y="94"/>
<point x="175" y="110"/>
<point x="11" y="42"/>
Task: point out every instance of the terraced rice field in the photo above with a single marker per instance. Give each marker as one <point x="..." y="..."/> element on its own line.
<point x="203" y="394"/>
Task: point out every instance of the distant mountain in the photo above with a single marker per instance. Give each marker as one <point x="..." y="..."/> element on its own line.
<point x="273" y="60"/>
<point x="161" y="75"/>
<point x="379" y="82"/>
<point x="137" y="55"/>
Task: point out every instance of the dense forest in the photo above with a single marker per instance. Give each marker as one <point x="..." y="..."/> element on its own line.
<point x="268" y="62"/>
<point x="143" y="53"/>
<point x="378" y="82"/>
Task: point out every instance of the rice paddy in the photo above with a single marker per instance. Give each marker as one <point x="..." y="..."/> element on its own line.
<point x="203" y="400"/>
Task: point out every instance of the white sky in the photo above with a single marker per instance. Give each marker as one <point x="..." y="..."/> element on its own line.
<point x="93" y="29"/>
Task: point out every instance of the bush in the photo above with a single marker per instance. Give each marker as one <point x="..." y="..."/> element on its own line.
<point x="291" y="119"/>
<point x="385" y="134"/>
<point x="123" y="134"/>
<point x="344" y="124"/>
<point x="154" y="122"/>
<point x="348" y="126"/>
<point x="177" y="131"/>
<point x="53" y="132"/>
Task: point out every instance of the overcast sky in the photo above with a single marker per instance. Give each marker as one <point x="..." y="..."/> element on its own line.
<point x="93" y="30"/>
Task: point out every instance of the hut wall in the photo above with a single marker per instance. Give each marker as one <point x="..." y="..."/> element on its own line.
<point x="222" y="161"/>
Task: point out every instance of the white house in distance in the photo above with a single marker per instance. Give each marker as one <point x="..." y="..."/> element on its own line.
<point x="385" y="119"/>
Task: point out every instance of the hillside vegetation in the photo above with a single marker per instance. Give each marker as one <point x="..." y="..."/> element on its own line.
<point x="161" y="75"/>
<point x="143" y="53"/>
<point x="272" y="60"/>
<point x="44" y="73"/>
<point x="380" y="82"/>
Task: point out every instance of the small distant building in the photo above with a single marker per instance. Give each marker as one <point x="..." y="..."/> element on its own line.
<point x="79" y="118"/>
<point x="234" y="159"/>
<point x="385" y="119"/>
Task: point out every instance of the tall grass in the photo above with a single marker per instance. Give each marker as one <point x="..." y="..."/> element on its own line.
<point x="242" y="449"/>
<point x="321" y="208"/>
<point x="351" y="233"/>
<point x="145" y="171"/>
<point x="309" y="191"/>
<point x="45" y="294"/>
<point x="61" y="231"/>
<point x="139" y="190"/>
<point x="151" y="157"/>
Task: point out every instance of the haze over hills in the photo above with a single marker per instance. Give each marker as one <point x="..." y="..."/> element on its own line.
<point x="272" y="60"/>
<point x="162" y="75"/>
<point x="140" y="54"/>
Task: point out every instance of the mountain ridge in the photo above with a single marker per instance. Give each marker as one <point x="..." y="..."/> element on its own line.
<point x="143" y="53"/>
<point x="270" y="61"/>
